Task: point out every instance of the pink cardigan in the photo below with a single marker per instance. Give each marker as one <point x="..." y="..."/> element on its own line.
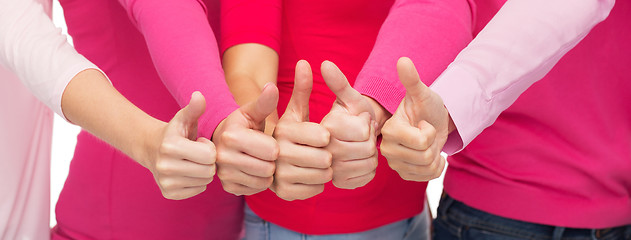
<point x="558" y="153"/>
<point x="156" y="53"/>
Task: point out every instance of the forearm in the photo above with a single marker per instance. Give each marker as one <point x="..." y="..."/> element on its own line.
<point x="431" y="33"/>
<point x="91" y="102"/>
<point x="248" y="67"/>
<point x="518" y="47"/>
<point x="185" y="53"/>
<point x="36" y="51"/>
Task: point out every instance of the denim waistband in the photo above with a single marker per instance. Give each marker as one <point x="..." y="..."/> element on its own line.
<point x="458" y="216"/>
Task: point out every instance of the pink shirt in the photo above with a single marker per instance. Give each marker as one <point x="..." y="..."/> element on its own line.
<point x="560" y="152"/>
<point x="38" y="64"/>
<point x="345" y="33"/>
<point x="156" y="52"/>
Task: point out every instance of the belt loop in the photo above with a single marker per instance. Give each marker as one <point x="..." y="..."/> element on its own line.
<point x="557" y="234"/>
<point x="445" y="204"/>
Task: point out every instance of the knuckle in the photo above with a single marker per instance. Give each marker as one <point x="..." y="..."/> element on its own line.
<point x="164" y="168"/>
<point x="167" y="184"/>
<point x="169" y="195"/>
<point x="280" y="131"/>
<point x="409" y="177"/>
<point x="374" y="163"/>
<point x="281" y="174"/>
<point x="167" y="147"/>
<point x="328" y="174"/>
<point x="328" y="159"/>
<point x="386" y="130"/>
<point x="267" y="183"/>
<point x="364" y="131"/>
<point x="323" y="160"/>
<point x="232" y="188"/>
<point x="212" y="156"/>
<point x="431" y="131"/>
<point x="224" y="175"/>
<point x="343" y="184"/>
<point x="212" y="171"/>
<point x="314" y="191"/>
<point x="284" y="193"/>
<point x="230" y="138"/>
<point x="372" y="148"/>
<point x="267" y="169"/>
<point x="275" y="151"/>
<point x="394" y="165"/>
<point x="386" y="150"/>
<point x="428" y="157"/>
<point x="324" y="136"/>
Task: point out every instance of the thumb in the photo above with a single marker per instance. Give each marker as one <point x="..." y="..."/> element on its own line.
<point x="264" y="105"/>
<point x="346" y="95"/>
<point x="410" y="79"/>
<point x="188" y="115"/>
<point x="303" y="83"/>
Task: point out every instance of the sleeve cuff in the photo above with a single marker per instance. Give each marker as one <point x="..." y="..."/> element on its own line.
<point x="250" y="37"/>
<point x="467" y="104"/>
<point x="64" y="80"/>
<point x="209" y="121"/>
<point x="387" y="93"/>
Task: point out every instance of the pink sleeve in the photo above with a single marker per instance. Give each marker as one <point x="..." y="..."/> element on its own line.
<point x="36" y="51"/>
<point x="251" y="21"/>
<point x="431" y="33"/>
<point x="184" y="50"/>
<point x="517" y="47"/>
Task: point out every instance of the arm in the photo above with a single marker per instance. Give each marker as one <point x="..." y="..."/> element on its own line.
<point x="185" y="52"/>
<point x="250" y="61"/>
<point x="248" y="68"/>
<point x="431" y="33"/>
<point x="475" y="91"/>
<point x="34" y="49"/>
<point x="518" y="47"/>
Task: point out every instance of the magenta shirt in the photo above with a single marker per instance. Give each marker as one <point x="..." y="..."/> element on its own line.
<point x="558" y="154"/>
<point x="156" y="54"/>
<point x="561" y="154"/>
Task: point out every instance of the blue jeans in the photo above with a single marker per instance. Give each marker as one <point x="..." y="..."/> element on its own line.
<point x="416" y="227"/>
<point x="456" y="220"/>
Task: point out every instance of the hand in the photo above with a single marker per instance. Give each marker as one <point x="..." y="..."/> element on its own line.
<point x="184" y="164"/>
<point x="351" y="123"/>
<point x="246" y="155"/>
<point x="303" y="166"/>
<point x="416" y="133"/>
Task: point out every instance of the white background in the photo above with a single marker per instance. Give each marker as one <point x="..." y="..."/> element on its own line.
<point x="64" y="140"/>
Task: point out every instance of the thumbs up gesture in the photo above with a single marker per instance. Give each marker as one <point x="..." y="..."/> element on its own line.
<point x="184" y="164"/>
<point x="352" y="125"/>
<point x="245" y="155"/>
<point x="416" y="133"/>
<point x="303" y="166"/>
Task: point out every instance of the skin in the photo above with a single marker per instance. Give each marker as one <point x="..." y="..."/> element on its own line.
<point x="245" y="155"/>
<point x="181" y="163"/>
<point x="416" y="133"/>
<point x="353" y="127"/>
<point x="311" y="154"/>
<point x="249" y="169"/>
<point x="304" y="165"/>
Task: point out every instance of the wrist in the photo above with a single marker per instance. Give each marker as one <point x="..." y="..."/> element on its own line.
<point x="381" y="114"/>
<point x="151" y="137"/>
